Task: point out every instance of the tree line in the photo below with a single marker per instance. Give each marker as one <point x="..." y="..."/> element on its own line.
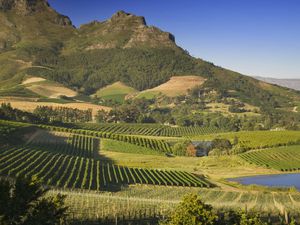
<point x="45" y="114"/>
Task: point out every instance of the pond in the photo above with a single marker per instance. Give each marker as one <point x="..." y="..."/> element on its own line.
<point x="278" y="180"/>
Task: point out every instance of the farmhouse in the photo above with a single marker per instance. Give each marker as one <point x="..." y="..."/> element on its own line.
<point x="202" y="147"/>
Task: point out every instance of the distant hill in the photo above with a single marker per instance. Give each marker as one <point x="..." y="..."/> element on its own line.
<point x="289" y="83"/>
<point x="37" y="41"/>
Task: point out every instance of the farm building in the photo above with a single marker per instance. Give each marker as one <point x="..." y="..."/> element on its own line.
<point x="202" y="148"/>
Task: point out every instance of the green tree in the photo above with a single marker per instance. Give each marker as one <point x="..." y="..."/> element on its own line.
<point x="192" y="211"/>
<point x="180" y="148"/>
<point x="23" y="202"/>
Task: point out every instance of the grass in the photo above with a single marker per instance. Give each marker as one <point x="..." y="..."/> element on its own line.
<point x="120" y="146"/>
<point x="116" y="91"/>
<point x="149" y="94"/>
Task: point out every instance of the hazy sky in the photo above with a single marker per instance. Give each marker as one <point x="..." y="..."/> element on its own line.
<point x="253" y="37"/>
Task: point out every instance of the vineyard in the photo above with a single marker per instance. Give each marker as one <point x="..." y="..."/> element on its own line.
<point x="259" y="139"/>
<point x="8" y="128"/>
<point x="60" y="166"/>
<point x="146" y="129"/>
<point x="69" y="144"/>
<point x="283" y="159"/>
<point x="147" y="202"/>
<point x="158" y="145"/>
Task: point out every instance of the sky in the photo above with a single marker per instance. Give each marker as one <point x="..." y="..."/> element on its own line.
<point x="253" y="37"/>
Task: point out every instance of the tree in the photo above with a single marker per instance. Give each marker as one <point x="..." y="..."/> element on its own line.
<point x="180" y="148"/>
<point x="192" y="211"/>
<point x="23" y="202"/>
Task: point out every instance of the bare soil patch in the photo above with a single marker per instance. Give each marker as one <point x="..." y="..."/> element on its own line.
<point x="178" y="85"/>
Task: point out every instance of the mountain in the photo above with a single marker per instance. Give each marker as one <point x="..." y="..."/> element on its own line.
<point x="289" y="83"/>
<point x="37" y="41"/>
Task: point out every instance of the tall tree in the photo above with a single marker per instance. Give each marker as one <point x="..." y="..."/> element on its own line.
<point x="23" y="202"/>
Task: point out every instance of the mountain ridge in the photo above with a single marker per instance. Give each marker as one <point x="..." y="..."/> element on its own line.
<point x="122" y="48"/>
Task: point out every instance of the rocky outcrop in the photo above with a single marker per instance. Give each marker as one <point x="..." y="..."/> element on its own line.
<point x="24" y="7"/>
<point x="152" y="37"/>
<point x="124" y="30"/>
<point x="121" y="17"/>
<point x="63" y="20"/>
<point x="27" y="7"/>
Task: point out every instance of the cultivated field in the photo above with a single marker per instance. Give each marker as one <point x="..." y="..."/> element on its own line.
<point x="177" y="85"/>
<point x="118" y="171"/>
<point x="283" y="159"/>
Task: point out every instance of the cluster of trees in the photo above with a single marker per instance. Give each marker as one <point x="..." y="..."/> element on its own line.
<point x="193" y="211"/>
<point x="45" y="114"/>
<point x="24" y="202"/>
<point x="9" y="113"/>
<point x="63" y="114"/>
<point x="145" y="111"/>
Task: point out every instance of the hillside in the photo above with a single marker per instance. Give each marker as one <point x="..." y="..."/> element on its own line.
<point x="35" y="40"/>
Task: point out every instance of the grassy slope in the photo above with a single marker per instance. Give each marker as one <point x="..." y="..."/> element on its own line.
<point x="50" y="89"/>
<point x="116" y="91"/>
<point x="177" y="85"/>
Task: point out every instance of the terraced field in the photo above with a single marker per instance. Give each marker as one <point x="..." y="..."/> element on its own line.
<point x="283" y="159"/>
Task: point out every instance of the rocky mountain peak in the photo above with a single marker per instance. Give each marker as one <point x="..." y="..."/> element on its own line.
<point x="28" y="7"/>
<point x="24" y="7"/>
<point x="122" y="16"/>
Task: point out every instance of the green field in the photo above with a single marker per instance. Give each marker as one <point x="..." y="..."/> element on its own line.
<point x="116" y="92"/>
<point x="283" y="159"/>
